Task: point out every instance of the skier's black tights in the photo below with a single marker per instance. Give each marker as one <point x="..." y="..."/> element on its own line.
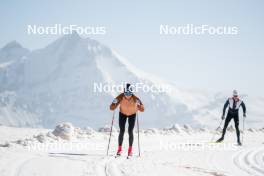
<point x="122" y="126"/>
<point x="229" y="117"/>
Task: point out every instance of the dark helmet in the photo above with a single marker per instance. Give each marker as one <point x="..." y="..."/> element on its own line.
<point x="128" y="90"/>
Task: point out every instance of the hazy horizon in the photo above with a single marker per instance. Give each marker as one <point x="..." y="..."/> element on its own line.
<point x="217" y="63"/>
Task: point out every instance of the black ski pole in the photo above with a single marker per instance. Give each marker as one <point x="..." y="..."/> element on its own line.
<point x="216" y="130"/>
<point x="243" y="130"/>
<point x="112" y="123"/>
<point x="138" y="136"/>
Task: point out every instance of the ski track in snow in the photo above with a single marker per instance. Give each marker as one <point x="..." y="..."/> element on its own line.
<point x="100" y="166"/>
<point x="20" y="167"/>
<point x="247" y="160"/>
<point x="250" y="161"/>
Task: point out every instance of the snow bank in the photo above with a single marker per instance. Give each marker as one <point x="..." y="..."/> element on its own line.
<point x="174" y="129"/>
<point x="6" y="144"/>
<point x="87" y="132"/>
<point x="64" y="131"/>
<point x="203" y="129"/>
<point x="67" y="132"/>
<point x="231" y="128"/>
<point x="107" y="128"/>
<point x="151" y="131"/>
<point x="252" y="130"/>
<point x="188" y="129"/>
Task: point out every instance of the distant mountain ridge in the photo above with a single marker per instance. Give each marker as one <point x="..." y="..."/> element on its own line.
<point x="55" y="84"/>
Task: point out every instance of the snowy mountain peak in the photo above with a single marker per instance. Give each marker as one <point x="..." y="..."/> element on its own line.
<point x="12" y="52"/>
<point x="73" y="37"/>
<point x="56" y="83"/>
<point x="12" y="45"/>
<point x="74" y="34"/>
<point x="73" y="42"/>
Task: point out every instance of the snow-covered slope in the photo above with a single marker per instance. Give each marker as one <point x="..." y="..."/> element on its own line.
<point x="31" y="152"/>
<point x="56" y="84"/>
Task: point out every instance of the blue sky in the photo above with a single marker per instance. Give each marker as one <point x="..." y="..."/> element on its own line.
<point x="200" y="62"/>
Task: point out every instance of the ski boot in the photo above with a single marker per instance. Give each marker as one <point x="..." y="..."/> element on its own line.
<point x="129" y="153"/>
<point x="239" y="143"/>
<point x="220" y="140"/>
<point x="119" y="151"/>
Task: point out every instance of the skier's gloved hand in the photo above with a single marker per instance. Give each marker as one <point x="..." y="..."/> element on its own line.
<point x="244" y="115"/>
<point x="223" y="117"/>
<point x="115" y="101"/>
<point x="114" y="104"/>
<point x="138" y="102"/>
<point x="140" y="106"/>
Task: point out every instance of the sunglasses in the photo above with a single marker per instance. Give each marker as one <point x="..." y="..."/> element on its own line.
<point x="128" y="93"/>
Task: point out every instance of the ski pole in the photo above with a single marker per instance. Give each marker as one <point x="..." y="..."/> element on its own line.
<point x="112" y="123"/>
<point x="216" y="130"/>
<point x="138" y="136"/>
<point x="243" y="130"/>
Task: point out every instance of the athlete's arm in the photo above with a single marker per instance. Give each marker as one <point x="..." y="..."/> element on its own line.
<point x="140" y="105"/>
<point x="116" y="102"/>
<point x="244" y="108"/>
<point x="225" y="106"/>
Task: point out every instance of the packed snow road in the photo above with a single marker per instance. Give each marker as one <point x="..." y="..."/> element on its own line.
<point x="162" y="153"/>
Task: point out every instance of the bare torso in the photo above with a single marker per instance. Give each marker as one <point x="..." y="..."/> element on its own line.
<point x="128" y="106"/>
